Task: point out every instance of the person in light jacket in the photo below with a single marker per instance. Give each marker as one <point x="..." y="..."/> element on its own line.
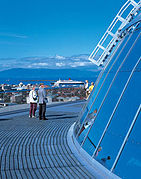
<point x="42" y="102"/>
<point x="33" y="102"/>
<point x="86" y="87"/>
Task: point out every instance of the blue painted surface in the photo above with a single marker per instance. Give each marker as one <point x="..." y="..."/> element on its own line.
<point x="129" y="163"/>
<point x="111" y="86"/>
<point x="103" y="85"/>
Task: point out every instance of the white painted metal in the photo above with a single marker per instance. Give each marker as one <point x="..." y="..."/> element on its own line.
<point x="92" y="166"/>
<point x="100" y="53"/>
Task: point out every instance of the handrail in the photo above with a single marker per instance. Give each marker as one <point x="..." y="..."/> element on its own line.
<point x="115" y="36"/>
<point x="54" y="94"/>
<point x="16" y="91"/>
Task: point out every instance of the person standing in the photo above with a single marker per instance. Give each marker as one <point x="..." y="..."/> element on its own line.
<point x="86" y="86"/>
<point x="91" y="87"/>
<point x="89" y="90"/>
<point x="42" y="102"/>
<point x="89" y="121"/>
<point x="33" y="102"/>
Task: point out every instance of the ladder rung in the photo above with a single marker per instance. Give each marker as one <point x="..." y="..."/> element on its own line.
<point x="133" y="3"/>
<point x="103" y="48"/>
<point x="121" y="19"/>
<point x="113" y="35"/>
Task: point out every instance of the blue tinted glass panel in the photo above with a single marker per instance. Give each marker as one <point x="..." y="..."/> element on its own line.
<point x="110" y="77"/>
<point x="91" y="97"/>
<point x="97" y="87"/>
<point x="122" y="118"/>
<point x="114" y="93"/>
<point x="139" y="26"/>
<point x="129" y="164"/>
<point x="89" y="146"/>
<point x="114" y="69"/>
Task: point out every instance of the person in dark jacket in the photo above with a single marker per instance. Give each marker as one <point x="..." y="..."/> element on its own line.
<point x="42" y="102"/>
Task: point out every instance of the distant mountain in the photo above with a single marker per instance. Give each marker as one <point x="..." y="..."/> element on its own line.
<point x="56" y="62"/>
<point x="76" y="67"/>
<point x="47" y="74"/>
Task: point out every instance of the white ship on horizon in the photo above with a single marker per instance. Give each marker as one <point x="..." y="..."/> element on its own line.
<point x="63" y="83"/>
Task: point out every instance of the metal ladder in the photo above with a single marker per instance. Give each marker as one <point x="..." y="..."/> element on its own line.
<point x="110" y="39"/>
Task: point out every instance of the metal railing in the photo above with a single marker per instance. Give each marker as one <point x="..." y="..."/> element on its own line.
<point x="112" y="36"/>
<point x="57" y="94"/>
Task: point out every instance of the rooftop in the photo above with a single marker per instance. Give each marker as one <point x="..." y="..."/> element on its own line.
<point x="39" y="149"/>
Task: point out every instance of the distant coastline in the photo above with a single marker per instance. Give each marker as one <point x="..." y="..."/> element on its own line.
<point x="15" y="76"/>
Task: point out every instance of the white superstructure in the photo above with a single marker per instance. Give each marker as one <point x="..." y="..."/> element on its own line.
<point x="63" y="83"/>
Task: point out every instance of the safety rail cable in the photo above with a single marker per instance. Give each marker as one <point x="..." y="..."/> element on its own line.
<point x="126" y="138"/>
<point x="115" y="36"/>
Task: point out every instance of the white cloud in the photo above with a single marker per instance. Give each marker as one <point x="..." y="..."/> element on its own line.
<point x="44" y="62"/>
<point x="76" y="64"/>
<point x="13" y="35"/>
<point x="60" y="64"/>
<point x="77" y="59"/>
<point x="6" y="65"/>
<point x="29" y="66"/>
<point x="39" y="64"/>
<point x="60" y="57"/>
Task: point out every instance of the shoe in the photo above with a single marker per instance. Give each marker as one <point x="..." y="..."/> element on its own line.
<point x="33" y="117"/>
<point x="30" y="116"/>
<point x="45" y="119"/>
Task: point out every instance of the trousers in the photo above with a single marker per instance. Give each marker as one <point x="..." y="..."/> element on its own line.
<point x="33" y="108"/>
<point x="42" y="110"/>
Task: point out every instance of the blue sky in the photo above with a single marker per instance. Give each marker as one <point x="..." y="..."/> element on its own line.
<point x="50" y="27"/>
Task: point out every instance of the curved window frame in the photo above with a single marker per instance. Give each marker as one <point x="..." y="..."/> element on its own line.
<point x="126" y="138"/>
<point x="109" y="87"/>
<point x="111" y="117"/>
<point x="97" y="81"/>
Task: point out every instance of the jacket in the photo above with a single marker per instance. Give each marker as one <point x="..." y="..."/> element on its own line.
<point x="32" y="96"/>
<point x="42" y="95"/>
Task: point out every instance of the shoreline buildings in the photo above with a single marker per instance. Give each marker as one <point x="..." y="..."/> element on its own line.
<point x="109" y="146"/>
